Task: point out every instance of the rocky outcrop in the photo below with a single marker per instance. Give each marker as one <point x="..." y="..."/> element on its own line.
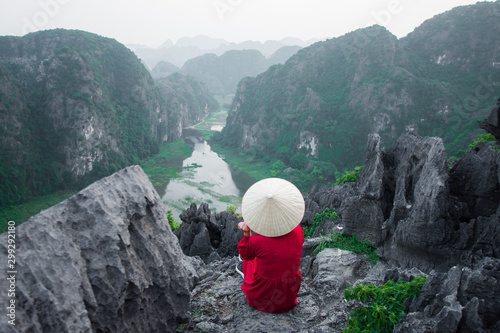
<point x="461" y="300"/>
<point x="408" y="203"/>
<point x="105" y="260"/>
<point x="417" y="211"/>
<point x="492" y="123"/>
<point x="208" y="235"/>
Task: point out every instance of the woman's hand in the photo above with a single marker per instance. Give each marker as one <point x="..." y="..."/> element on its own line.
<point x="244" y="227"/>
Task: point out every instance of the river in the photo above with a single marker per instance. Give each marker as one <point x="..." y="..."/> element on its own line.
<point x="205" y="177"/>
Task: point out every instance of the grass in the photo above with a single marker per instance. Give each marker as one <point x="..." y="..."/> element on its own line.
<point x="214" y="119"/>
<point x="167" y="164"/>
<point x="247" y="164"/>
<point x="20" y="213"/>
<point x="348" y="242"/>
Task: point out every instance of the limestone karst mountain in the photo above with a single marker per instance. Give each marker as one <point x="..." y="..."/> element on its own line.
<point x="75" y="106"/>
<point x="437" y="81"/>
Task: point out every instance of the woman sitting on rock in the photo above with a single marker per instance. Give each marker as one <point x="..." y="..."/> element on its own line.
<point x="272" y="208"/>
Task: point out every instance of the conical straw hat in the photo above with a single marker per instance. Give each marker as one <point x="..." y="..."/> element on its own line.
<point x="272" y="207"/>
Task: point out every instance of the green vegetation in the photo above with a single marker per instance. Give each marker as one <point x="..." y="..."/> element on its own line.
<point x="167" y="164"/>
<point x="20" y="213"/>
<point x="347" y="242"/>
<point x="159" y="168"/>
<point x="232" y="210"/>
<point x="258" y="167"/>
<point x="485" y="137"/>
<point x="326" y="215"/>
<point x="90" y="81"/>
<point x="171" y="221"/>
<point x="222" y="73"/>
<point x="53" y="113"/>
<point x="384" y="305"/>
<point x="349" y="176"/>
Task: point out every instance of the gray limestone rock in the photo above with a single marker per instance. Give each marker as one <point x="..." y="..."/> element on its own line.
<point x="208" y="235"/>
<point x="105" y="260"/>
<point x="334" y="269"/>
<point x="461" y="300"/>
<point x="218" y="303"/>
<point x="492" y="123"/>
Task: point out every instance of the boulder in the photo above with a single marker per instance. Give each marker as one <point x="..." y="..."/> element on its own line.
<point x="416" y="232"/>
<point x="474" y="180"/>
<point x="104" y="260"/>
<point x="334" y="269"/>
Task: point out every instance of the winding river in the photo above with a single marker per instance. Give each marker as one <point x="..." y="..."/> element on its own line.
<point x="206" y="177"/>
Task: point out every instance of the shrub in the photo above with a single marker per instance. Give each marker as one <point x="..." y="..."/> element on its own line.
<point x="232" y="210"/>
<point x="299" y="161"/>
<point x="327" y="214"/>
<point x="349" y="176"/>
<point x="384" y="304"/>
<point x="171" y="221"/>
<point x="482" y="138"/>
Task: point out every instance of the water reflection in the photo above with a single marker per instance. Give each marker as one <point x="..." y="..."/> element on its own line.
<point x="205" y="178"/>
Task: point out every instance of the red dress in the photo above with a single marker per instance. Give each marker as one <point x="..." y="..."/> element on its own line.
<point x="271" y="268"/>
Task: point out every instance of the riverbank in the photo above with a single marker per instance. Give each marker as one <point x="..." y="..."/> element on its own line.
<point x="205" y="178"/>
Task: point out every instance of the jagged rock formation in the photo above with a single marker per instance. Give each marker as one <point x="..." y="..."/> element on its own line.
<point x="208" y="235"/>
<point x="104" y="260"/>
<point x="461" y="300"/>
<point x="219" y="305"/>
<point x="417" y="211"/>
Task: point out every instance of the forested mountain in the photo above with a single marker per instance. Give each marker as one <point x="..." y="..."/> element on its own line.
<point x="324" y="101"/>
<point x="163" y="69"/>
<point x="191" y="97"/>
<point x="74" y="107"/>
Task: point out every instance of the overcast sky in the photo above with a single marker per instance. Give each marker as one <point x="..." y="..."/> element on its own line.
<point x="152" y="22"/>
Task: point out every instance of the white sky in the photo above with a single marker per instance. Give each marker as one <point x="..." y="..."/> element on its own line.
<point x="152" y="22"/>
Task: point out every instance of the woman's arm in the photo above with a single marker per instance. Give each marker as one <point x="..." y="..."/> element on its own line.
<point x="245" y="249"/>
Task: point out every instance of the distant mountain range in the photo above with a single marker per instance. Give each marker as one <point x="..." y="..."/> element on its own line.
<point x="190" y="47"/>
